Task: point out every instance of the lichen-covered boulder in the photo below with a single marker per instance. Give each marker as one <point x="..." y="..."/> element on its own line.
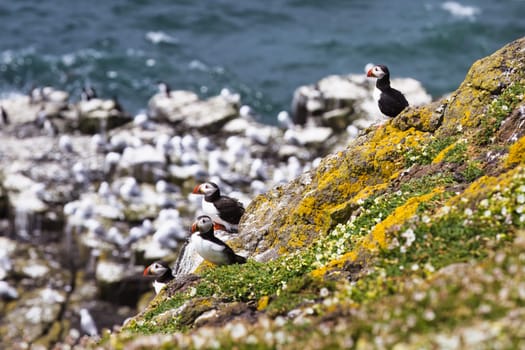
<point x="291" y="216"/>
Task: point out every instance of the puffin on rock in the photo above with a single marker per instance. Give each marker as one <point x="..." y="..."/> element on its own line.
<point x="162" y="272"/>
<point x="224" y="210"/>
<point x="391" y="101"/>
<point x="210" y="247"/>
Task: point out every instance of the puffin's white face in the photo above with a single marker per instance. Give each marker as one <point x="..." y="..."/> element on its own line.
<point x="155" y="269"/>
<point x="207" y="188"/>
<point x="203" y="224"/>
<point x="376" y="72"/>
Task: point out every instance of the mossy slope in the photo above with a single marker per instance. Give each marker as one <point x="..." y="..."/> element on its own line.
<point x="410" y="237"/>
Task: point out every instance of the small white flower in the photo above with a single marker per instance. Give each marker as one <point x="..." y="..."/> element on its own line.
<point x="418" y="296"/>
<point x="520" y="198"/>
<point x="445" y="209"/>
<point x="429" y="315"/>
<point x="504" y="211"/>
<point x="505" y="107"/>
<point x="429" y="267"/>
<point x="468" y="212"/>
<point x="484" y="203"/>
<point x="487" y="213"/>
<point x="425" y="219"/>
<point x="409" y="236"/>
<point x="415" y="267"/>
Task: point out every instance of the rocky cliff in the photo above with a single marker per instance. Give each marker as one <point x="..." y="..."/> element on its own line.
<point x="410" y="237"/>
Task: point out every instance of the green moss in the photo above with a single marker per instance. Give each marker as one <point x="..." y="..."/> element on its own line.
<point x="458" y="154"/>
<point x="472" y="171"/>
<point x="427" y="152"/>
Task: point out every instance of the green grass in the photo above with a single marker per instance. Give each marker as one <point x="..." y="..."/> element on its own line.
<point x="428" y="152"/>
<point x="498" y="110"/>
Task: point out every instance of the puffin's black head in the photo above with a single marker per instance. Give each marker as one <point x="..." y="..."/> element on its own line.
<point x="202" y="224"/>
<point x="378" y="71"/>
<point x="207" y="188"/>
<point x="158" y="268"/>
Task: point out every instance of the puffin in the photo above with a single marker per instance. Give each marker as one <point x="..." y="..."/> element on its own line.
<point x="391" y="101"/>
<point x="162" y="272"/>
<point x="210" y="247"/>
<point x="224" y="210"/>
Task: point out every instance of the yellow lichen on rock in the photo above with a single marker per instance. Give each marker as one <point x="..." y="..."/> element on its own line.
<point x="385" y="149"/>
<point x="378" y="236"/>
<point x="516" y="153"/>
<point x="441" y="155"/>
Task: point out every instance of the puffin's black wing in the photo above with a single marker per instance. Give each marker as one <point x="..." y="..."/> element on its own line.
<point x="230" y="209"/>
<point x="392" y="102"/>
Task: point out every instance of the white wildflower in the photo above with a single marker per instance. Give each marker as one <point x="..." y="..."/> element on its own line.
<point x="418" y="296"/>
<point x="425" y="219"/>
<point x="504" y="211"/>
<point x="429" y="315"/>
<point x="429" y="267"/>
<point x="487" y="213"/>
<point x="484" y="203"/>
<point x="324" y="292"/>
<point x="520" y="198"/>
<point x="520" y="209"/>
<point x="468" y="212"/>
<point x="445" y="209"/>
<point x="409" y="236"/>
<point x="415" y="267"/>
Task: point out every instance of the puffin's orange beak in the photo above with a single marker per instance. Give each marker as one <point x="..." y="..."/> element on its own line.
<point x="197" y="189"/>
<point x="194" y="227"/>
<point x="369" y="73"/>
<point x="219" y="227"/>
<point x="146" y="271"/>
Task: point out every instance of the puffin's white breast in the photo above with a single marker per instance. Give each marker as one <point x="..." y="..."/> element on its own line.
<point x="208" y="250"/>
